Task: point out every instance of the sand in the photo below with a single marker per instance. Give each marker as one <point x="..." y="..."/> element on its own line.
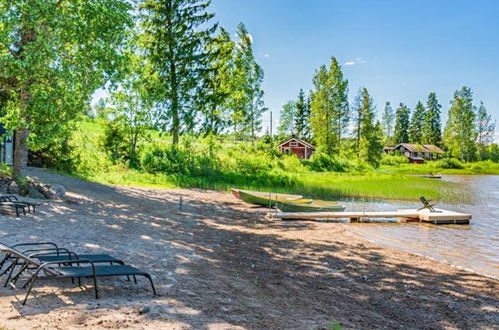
<point x="221" y="264"/>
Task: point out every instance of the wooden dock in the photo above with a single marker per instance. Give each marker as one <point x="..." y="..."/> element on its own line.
<point x="411" y="215"/>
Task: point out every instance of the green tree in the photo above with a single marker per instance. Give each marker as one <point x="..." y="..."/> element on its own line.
<point x="432" y="127"/>
<point x="329" y="107"/>
<point x="302" y="116"/>
<point x="388" y="122"/>
<point x="401" y="133"/>
<point x="417" y="120"/>
<point x="248" y="102"/>
<point x="287" y="119"/>
<point x="460" y="131"/>
<point x="368" y="134"/>
<point x="485" y="129"/>
<point x="174" y="40"/>
<point x="218" y="85"/>
<point x="53" y="55"/>
<point x="129" y="116"/>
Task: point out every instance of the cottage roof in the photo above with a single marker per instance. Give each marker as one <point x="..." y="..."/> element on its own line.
<point x="299" y="141"/>
<point x="412" y="147"/>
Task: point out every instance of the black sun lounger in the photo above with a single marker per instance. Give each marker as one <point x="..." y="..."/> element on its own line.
<point x="52" y="254"/>
<point x="14" y="202"/>
<point x="48" y="270"/>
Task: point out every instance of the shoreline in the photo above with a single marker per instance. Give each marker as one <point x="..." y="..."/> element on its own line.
<point x="220" y="263"/>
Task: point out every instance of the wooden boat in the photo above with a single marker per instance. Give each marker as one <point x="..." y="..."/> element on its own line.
<point x="432" y="176"/>
<point x="315" y="206"/>
<point x="266" y="198"/>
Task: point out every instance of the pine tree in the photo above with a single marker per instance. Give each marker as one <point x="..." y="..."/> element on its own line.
<point x="175" y="36"/>
<point x="302" y="116"/>
<point x="485" y="128"/>
<point x="401" y="133"/>
<point x="460" y="130"/>
<point x="432" y="130"/>
<point x="287" y="119"/>
<point x="417" y="120"/>
<point x="329" y="107"/>
<point x="388" y="122"/>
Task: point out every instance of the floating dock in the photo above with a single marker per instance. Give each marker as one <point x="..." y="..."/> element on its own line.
<point x="438" y="217"/>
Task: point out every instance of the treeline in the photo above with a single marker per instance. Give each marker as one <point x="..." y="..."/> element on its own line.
<point x="326" y="118"/>
<point x="168" y="66"/>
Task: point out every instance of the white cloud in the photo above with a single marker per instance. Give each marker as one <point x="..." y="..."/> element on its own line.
<point x="349" y="63"/>
<point x="266" y="55"/>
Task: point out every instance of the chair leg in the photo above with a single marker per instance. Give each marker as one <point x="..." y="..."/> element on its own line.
<point x="152" y="284"/>
<point x="13" y="267"/>
<point x="32" y="282"/>
<point x="134" y="279"/>
<point x="95" y="287"/>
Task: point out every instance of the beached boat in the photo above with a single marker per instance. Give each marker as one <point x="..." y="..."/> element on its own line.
<point x="266" y="198"/>
<point x="432" y="176"/>
<point x="315" y="206"/>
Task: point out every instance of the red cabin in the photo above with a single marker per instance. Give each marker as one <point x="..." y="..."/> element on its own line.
<point x="299" y="147"/>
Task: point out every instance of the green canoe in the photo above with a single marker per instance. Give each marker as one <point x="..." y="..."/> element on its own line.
<point x="314" y="206"/>
<point x="264" y="198"/>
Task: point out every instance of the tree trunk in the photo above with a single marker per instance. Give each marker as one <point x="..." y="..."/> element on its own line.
<point x="175" y="115"/>
<point x="20" y="153"/>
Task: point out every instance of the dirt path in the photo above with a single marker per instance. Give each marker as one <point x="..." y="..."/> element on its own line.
<point x="219" y="264"/>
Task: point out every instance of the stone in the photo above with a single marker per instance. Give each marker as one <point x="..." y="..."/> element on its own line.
<point x="59" y="190"/>
<point x="13" y="188"/>
<point x="35" y="193"/>
<point x="144" y="310"/>
<point x="49" y="193"/>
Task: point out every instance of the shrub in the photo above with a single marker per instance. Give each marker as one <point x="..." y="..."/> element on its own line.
<point x="321" y="162"/>
<point x="449" y="163"/>
<point x="394" y="160"/>
<point x="169" y="160"/>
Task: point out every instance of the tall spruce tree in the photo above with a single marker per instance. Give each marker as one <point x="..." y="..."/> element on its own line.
<point x="401" y="134"/>
<point x="415" y="127"/>
<point x="54" y="54"/>
<point x="388" y="122"/>
<point x="460" y="130"/>
<point x="175" y="38"/>
<point x="329" y="107"/>
<point x="302" y="116"/>
<point x="485" y="129"/>
<point x="432" y="127"/>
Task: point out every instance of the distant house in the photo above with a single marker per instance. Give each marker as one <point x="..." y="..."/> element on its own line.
<point x="417" y="153"/>
<point x="6" y="147"/>
<point x="299" y="147"/>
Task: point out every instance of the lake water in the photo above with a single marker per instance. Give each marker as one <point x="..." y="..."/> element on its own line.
<point x="474" y="247"/>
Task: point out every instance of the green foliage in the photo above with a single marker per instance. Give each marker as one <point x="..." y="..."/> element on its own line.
<point x="321" y="162"/>
<point x="175" y="33"/>
<point x="401" y="134"/>
<point x="287" y="119"/>
<point x="417" y="120"/>
<point x="448" y="163"/>
<point x="302" y="116"/>
<point x="485" y="129"/>
<point x="460" y="132"/>
<point x="388" y="123"/>
<point x="329" y="107"/>
<point x="394" y="160"/>
<point x="432" y="127"/>
<point x="52" y="63"/>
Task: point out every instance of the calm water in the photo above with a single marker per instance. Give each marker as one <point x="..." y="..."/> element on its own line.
<point x="474" y="247"/>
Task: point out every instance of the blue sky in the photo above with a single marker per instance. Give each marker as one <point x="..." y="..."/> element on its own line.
<point x="400" y="50"/>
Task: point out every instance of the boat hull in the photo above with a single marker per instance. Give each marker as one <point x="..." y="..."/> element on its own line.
<point x="266" y="199"/>
<point x="309" y="207"/>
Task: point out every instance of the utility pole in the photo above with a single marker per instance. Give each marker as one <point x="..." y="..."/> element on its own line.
<point x="270" y="125"/>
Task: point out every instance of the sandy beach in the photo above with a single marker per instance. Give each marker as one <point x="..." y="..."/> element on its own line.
<point x="221" y="264"/>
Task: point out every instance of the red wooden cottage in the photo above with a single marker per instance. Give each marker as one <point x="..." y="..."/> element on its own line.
<point x="299" y="147"/>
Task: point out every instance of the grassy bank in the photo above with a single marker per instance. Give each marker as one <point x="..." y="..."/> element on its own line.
<point x="236" y="166"/>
